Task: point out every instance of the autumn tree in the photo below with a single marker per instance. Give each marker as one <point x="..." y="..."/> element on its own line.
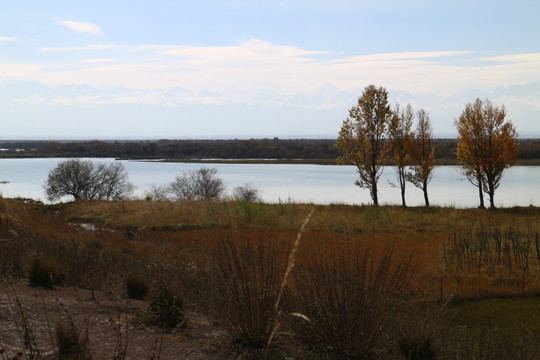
<point x="486" y="146"/>
<point x="362" y="137"/>
<point x="400" y="136"/>
<point x="423" y="153"/>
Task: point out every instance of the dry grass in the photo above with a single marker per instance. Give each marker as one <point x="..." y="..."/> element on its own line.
<point x="228" y="259"/>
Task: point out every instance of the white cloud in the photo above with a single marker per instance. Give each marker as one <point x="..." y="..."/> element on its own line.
<point x="402" y="56"/>
<point x="81" y="27"/>
<point x="6" y="39"/>
<point x="250" y="70"/>
<point x="251" y="50"/>
<point x="515" y="58"/>
<point x="79" y="48"/>
<point x="97" y="60"/>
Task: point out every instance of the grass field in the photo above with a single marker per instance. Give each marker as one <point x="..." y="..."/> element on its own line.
<point x="367" y="283"/>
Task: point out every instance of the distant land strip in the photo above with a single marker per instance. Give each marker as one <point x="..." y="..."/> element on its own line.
<point x="274" y="150"/>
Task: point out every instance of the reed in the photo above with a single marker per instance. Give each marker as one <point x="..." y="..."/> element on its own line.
<point x="350" y="294"/>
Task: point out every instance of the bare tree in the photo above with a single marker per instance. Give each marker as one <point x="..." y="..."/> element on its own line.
<point x="82" y="179"/>
<point x="362" y="137"/>
<point x="157" y="193"/>
<point x="246" y="192"/>
<point x="400" y="137"/>
<point x="196" y="185"/>
<point x="110" y="182"/>
<point x="182" y="188"/>
<point x="423" y="154"/>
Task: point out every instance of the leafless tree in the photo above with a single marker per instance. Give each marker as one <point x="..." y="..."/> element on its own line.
<point x="246" y="192"/>
<point x="83" y="179"/>
<point x="197" y="185"/>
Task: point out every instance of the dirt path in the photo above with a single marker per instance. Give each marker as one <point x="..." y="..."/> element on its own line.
<point x="109" y="320"/>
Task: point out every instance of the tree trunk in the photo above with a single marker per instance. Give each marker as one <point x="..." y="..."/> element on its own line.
<point x="403" y="196"/>
<point x="426" y="198"/>
<point x="481" y="194"/>
<point x="491" y="194"/>
<point x="374" y="194"/>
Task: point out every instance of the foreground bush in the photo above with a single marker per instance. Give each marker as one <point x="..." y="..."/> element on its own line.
<point x="137" y="287"/>
<point x="249" y="271"/>
<point x="44" y="272"/>
<point x="72" y="344"/>
<point x="345" y="298"/>
<point x="166" y="309"/>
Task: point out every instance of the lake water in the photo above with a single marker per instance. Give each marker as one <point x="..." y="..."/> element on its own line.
<point x="322" y="184"/>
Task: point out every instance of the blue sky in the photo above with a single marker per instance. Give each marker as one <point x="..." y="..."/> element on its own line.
<point x="237" y="69"/>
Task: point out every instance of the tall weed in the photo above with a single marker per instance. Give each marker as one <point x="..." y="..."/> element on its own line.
<point x="348" y="296"/>
<point x="248" y="272"/>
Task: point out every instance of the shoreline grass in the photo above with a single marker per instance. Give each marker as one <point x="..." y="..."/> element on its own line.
<point x="194" y="248"/>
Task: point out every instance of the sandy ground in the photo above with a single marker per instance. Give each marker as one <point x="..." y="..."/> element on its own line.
<point x="110" y="321"/>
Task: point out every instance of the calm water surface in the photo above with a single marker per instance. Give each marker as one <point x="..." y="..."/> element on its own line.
<point x="321" y="184"/>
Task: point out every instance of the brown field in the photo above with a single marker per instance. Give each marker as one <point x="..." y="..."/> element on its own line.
<point x="367" y="283"/>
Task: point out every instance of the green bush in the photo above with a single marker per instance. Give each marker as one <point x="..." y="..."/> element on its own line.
<point x="44" y="272"/>
<point x="137" y="287"/>
<point x="166" y="309"/>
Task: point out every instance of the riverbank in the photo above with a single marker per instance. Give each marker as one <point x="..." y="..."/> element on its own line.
<point x="321" y="161"/>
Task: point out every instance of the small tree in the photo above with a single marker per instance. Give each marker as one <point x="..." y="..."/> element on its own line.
<point x="400" y="136"/>
<point x="362" y="137"/>
<point x="246" y="193"/>
<point x="84" y="180"/>
<point x="486" y="146"/>
<point x="197" y="185"/>
<point x="110" y="182"/>
<point x="182" y="188"/>
<point x="423" y="154"/>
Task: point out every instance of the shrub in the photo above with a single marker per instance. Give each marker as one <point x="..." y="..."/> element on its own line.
<point x="71" y="345"/>
<point x="137" y="287"/>
<point x="413" y="348"/>
<point x="44" y="272"/>
<point x="249" y="271"/>
<point x="348" y="297"/>
<point x="246" y="193"/>
<point x="166" y="309"/>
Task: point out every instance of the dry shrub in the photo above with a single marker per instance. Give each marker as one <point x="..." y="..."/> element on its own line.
<point x="136" y="286"/>
<point x="72" y="345"/>
<point x="249" y="270"/>
<point x="345" y="297"/>
<point x="486" y="261"/>
<point x="44" y="272"/>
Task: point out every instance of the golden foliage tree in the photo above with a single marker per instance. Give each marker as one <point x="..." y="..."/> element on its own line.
<point x="486" y="146"/>
<point x="423" y="153"/>
<point x="400" y="137"/>
<point x="362" y="137"/>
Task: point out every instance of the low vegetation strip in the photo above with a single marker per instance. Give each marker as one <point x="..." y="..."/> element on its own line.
<point x="412" y="277"/>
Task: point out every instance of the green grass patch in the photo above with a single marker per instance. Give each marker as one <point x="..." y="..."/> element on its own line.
<point x="516" y="317"/>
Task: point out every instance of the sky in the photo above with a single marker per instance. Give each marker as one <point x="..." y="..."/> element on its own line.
<point x="258" y="69"/>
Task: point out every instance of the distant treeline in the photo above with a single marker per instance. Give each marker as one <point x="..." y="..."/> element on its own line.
<point x="281" y="149"/>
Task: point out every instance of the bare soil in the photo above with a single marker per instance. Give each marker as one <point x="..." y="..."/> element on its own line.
<point x="110" y="321"/>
